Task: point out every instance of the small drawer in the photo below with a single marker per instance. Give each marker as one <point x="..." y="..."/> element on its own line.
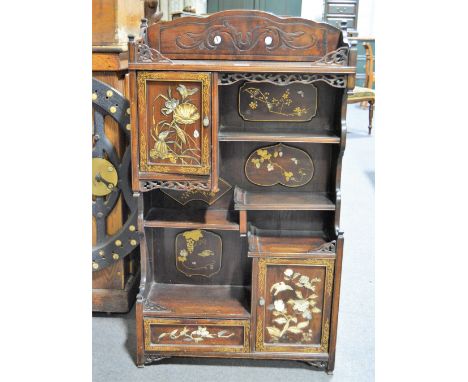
<point x="336" y="21"/>
<point x="184" y="335"/>
<point x="343" y="9"/>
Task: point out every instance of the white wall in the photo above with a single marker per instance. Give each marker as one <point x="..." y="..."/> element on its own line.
<point x="312" y="9"/>
<point x="366" y="18"/>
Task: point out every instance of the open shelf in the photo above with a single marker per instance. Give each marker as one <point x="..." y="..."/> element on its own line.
<point x="290" y="200"/>
<point x="185" y="218"/>
<point x="207" y="301"/>
<point x="284" y="243"/>
<point x="234" y="135"/>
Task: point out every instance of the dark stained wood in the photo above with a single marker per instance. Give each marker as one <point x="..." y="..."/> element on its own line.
<point x="268" y="231"/>
<point x="203" y="301"/>
<point x="214" y="134"/>
<point x="206" y="219"/>
<point x="292" y="200"/>
<point x="243" y="66"/>
<point x="251" y="35"/>
<point x="284" y="243"/>
<point x="234" y="135"/>
<point x="335" y="303"/>
<point x="235" y="265"/>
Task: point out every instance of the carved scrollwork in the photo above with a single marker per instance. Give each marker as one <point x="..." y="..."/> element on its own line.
<point x="150" y="358"/>
<point x="145" y="54"/>
<point x="319" y="365"/>
<point x="174" y="185"/>
<point x="152" y="307"/>
<point x="219" y="35"/>
<point x="337" y="57"/>
<point x="335" y="80"/>
<point x="327" y="247"/>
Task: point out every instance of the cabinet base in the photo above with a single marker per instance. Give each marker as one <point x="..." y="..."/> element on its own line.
<point x="317" y="365"/>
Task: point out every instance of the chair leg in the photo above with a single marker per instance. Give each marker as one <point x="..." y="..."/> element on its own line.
<point x="371" y="115"/>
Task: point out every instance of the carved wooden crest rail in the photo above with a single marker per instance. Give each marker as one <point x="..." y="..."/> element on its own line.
<point x="244" y="35"/>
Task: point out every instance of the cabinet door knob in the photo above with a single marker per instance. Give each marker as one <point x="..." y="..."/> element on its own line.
<point x="261" y="301"/>
<point x="206" y="121"/>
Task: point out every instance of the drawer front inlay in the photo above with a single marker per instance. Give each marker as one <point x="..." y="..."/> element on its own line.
<point x="202" y="335"/>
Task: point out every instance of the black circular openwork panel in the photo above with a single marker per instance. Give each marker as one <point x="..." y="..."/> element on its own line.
<point x="111" y="178"/>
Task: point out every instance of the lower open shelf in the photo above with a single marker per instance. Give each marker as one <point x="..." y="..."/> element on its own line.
<point x="292" y="200"/>
<point x="202" y="219"/>
<point x="281" y="243"/>
<point x="205" y="301"/>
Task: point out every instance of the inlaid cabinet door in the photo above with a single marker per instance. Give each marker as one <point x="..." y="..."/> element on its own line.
<point x="293" y="305"/>
<point x="174" y="124"/>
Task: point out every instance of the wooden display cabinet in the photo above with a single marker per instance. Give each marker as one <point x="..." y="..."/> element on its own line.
<point x="238" y="133"/>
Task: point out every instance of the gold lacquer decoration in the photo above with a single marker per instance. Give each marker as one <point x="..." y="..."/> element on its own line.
<point x="294" y="306"/>
<point x="198" y="335"/>
<point x="174" y="140"/>
<point x="279" y="164"/>
<point x="105" y="177"/>
<point x="209" y="197"/>
<point x="277" y="103"/>
<point x="198" y="252"/>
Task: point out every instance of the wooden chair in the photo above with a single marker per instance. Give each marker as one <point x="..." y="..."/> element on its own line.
<point x="366" y="93"/>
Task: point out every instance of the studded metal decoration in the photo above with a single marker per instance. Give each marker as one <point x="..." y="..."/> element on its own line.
<point x="111" y="177"/>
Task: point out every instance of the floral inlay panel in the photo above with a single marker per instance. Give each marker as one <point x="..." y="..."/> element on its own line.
<point x="175" y="139"/>
<point x="198" y="335"/>
<point x="198" y="252"/>
<point x="270" y="102"/>
<point x="279" y="164"/>
<point x="295" y="303"/>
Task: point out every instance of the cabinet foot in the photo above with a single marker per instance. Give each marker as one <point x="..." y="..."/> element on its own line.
<point x="318" y="365"/>
<point x="152" y="358"/>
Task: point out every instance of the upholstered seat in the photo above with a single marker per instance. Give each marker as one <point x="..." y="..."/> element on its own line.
<point x="361" y="94"/>
<point x="366" y="94"/>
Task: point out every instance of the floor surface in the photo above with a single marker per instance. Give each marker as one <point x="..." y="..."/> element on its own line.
<point x="114" y="336"/>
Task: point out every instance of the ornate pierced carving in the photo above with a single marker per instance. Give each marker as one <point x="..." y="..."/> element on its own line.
<point x="335" y="80"/>
<point x="320" y="365"/>
<point x="150" y="358"/>
<point x="152" y="307"/>
<point x="174" y="185"/>
<point x="326" y="247"/>
<point x="226" y="34"/>
<point x="336" y="57"/>
<point x="145" y="54"/>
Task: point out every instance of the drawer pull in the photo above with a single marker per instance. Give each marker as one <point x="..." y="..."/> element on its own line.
<point x="206" y="121"/>
<point x="261" y="301"/>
